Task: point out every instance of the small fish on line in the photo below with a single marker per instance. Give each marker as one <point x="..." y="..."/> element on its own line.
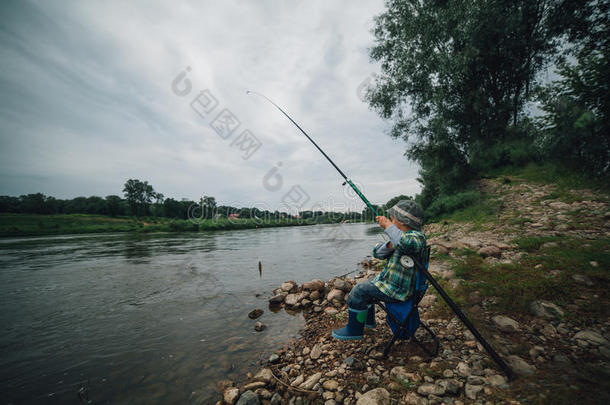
<point x="260" y="269"/>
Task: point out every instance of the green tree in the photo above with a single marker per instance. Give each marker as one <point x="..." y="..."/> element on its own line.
<point x="575" y="130"/>
<point x="139" y="195"/>
<point x="113" y="205"/>
<point x="455" y="76"/>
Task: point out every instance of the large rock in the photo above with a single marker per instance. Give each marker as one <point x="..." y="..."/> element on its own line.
<point x="248" y="398"/>
<point x="230" y="395"/>
<point x="335" y="294"/>
<point x="314" y="285"/>
<point x="288" y="286"/>
<point x="545" y="309"/>
<point x="520" y="366"/>
<point x="342" y="285"/>
<point x="378" y="396"/>
<point x="278" y="298"/>
<point x="505" y="324"/>
<point x="591" y="337"/>
<point x="264" y="374"/>
<point x="311" y="381"/>
<point x="463" y="369"/>
<point x="471" y="391"/>
<point x="490" y="251"/>
<point x="291" y="300"/>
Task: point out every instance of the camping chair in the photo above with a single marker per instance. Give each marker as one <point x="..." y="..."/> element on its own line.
<point x="403" y="317"/>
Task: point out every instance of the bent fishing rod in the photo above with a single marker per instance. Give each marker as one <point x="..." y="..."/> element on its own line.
<point x="348" y="181"/>
<point x="494" y="355"/>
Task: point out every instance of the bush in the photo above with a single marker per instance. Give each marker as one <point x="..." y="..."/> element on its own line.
<point x="448" y="204"/>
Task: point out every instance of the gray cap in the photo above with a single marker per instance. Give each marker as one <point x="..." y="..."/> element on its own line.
<point x="409" y="213"/>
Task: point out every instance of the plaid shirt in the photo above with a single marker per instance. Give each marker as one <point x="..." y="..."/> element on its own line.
<point x="395" y="280"/>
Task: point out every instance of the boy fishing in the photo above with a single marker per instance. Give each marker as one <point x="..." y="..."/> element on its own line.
<point x="396" y="283"/>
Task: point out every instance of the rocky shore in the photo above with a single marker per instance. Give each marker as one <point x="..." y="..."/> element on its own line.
<point x="560" y="350"/>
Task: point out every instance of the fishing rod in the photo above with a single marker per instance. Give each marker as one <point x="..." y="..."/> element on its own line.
<point x="348" y="181"/>
<point x="494" y="355"/>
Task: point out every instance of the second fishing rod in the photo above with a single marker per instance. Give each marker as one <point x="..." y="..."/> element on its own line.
<point x="494" y="355"/>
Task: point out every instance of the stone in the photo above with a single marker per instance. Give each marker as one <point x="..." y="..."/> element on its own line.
<point x="331" y="311"/>
<point x="255" y="313"/>
<point x="259" y="327"/>
<point x="591" y="337"/>
<point x="463" y="370"/>
<point x="314" y="285"/>
<point x="447" y="373"/>
<point x="559" y="206"/>
<point x="582" y="279"/>
<point x="254" y="385"/>
<point x="314" y="295"/>
<point x="330" y="385"/>
<point x="413" y="399"/>
<point x="278" y="299"/>
<point x="505" y="324"/>
<point x="476" y="380"/>
<point x="264" y="374"/>
<point x="288" y="286"/>
<point x="428" y="300"/>
<point x="451" y="386"/>
<point x="311" y="381"/>
<point x="248" y="398"/>
<point x="274" y="358"/>
<point x="291" y="300"/>
<point x="430" y="389"/>
<point x="276" y="399"/>
<point x="490" y="251"/>
<point x="400" y="374"/>
<point x="342" y="285"/>
<point x="471" y="391"/>
<point x="519" y="365"/>
<point x="335" y="294"/>
<point x="230" y="395"/>
<point x="377" y="396"/>
<point x="316" y="352"/>
<point x="497" y="380"/>
<point x="298" y="381"/>
<point x="545" y="309"/>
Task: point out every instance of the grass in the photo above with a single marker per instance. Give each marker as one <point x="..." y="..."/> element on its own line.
<point x="549" y="173"/>
<point x="60" y="224"/>
<point x="515" y="285"/>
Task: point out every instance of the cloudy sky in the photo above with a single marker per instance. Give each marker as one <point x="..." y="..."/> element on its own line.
<point x="91" y="97"/>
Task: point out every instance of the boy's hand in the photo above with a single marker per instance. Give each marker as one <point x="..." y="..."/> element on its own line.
<point x="383" y="221"/>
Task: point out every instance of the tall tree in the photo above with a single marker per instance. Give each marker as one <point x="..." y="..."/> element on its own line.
<point x="139" y="195"/>
<point x="455" y="76"/>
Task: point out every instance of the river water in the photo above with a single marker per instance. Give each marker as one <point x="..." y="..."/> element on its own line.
<point x="153" y="318"/>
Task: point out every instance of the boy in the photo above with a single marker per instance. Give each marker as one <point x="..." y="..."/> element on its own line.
<point x="397" y="280"/>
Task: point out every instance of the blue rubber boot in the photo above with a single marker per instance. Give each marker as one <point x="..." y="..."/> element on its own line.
<point x="354" y="329"/>
<point x="370" y="317"/>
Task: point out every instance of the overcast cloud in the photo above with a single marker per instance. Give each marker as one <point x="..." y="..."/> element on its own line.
<point x="87" y="99"/>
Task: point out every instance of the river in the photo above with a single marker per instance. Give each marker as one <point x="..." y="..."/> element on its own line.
<point x="153" y="318"/>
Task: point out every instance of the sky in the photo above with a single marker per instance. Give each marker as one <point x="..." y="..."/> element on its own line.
<point x="98" y="92"/>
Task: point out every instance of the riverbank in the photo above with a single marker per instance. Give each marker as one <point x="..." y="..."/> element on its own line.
<point x="12" y="225"/>
<point x="533" y="277"/>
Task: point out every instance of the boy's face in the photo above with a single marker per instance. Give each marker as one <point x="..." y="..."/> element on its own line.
<point x="398" y="224"/>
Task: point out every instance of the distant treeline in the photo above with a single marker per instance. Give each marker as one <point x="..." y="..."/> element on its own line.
<point x="141" y="200"/>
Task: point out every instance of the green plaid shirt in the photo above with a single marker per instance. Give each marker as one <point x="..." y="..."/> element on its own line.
<point x="395" y="280"/>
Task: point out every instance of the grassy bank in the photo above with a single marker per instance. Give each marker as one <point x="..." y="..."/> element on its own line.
<point x="61" y="224"/>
